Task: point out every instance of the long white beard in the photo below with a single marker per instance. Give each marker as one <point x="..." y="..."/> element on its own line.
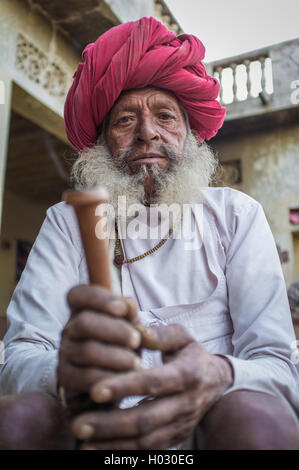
<point x="181" y="184"/>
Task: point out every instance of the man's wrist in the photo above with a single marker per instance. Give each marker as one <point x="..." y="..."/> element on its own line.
<point x="226" y="371"/>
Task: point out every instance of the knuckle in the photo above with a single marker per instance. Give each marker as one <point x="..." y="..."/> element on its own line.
<point x="81" y="322"/>
<point x="86" y="294"/>
<point x="74" y="294"/>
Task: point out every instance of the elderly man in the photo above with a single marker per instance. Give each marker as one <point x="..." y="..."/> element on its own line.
<point x="138" y="113"/>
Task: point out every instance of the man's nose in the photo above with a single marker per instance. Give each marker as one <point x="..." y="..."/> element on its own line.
<point x="147" y="131"/>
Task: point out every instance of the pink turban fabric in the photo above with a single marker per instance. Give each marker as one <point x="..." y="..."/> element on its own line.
<point x="139" y="54"/>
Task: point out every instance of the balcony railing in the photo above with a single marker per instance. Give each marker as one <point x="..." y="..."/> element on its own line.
<point x="259" y="81"/>
<point x="244" y="79"/>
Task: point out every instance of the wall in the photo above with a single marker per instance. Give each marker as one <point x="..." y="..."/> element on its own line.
<point x="270" y="174"/>
<point x="21" y="221"/>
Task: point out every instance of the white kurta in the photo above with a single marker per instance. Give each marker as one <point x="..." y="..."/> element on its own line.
<point x="229" y="293"/>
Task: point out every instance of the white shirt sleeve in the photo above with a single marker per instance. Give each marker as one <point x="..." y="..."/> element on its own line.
<point x="263" y="338"/>
<point x="38" y="310"/>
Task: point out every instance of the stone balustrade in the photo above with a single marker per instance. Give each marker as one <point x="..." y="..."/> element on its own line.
<point x="260" y="81"/>
<point x="245" y="78"/>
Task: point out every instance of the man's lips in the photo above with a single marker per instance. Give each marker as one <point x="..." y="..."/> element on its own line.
<point x="146" y="158"/>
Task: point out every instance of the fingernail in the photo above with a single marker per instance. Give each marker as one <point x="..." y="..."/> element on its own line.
<point x="118" y="307"/>
<point x="102" y="395"/>
<point x="135" y="339"/>
<point x="85" y="431"/>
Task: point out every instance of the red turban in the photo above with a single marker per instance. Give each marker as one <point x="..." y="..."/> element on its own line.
<point x="136" y="55"/>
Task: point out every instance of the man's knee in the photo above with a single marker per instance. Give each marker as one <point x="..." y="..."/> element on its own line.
<point x="32" y="421"/>
<point x="249" y="420"/>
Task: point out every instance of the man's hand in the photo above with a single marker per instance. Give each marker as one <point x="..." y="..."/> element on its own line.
<point x="97" y="341"/>
<point x="178" y="394"/>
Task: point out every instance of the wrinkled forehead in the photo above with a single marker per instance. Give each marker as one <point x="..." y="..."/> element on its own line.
<point x="147" y="92"/>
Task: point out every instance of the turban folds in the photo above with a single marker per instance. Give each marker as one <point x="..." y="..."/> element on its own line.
<point x="140" y="54"/>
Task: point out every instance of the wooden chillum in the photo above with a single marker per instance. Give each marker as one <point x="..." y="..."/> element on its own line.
<point x="95" y="243"/>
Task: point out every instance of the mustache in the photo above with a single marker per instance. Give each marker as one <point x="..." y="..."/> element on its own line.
<point x="169" y="151"/>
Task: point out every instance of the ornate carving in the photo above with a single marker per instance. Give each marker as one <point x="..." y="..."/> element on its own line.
<point x="37" y="67"/>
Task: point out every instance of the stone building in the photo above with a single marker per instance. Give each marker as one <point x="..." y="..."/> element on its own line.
<point x="40" y="46"/>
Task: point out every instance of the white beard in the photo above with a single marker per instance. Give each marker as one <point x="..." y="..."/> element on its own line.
<point x="181" y="184"/>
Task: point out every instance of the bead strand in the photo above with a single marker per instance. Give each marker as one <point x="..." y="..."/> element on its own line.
<point x="118" y="258"/>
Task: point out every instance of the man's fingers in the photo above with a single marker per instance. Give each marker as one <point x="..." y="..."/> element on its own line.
<point x="162" y="380"/>
<point x="99" y="299"/>
<point x="78" y="380"/>
<point x="168" y="337"/>
<point x="132" y="422"/>
<point x="161" y="438"/>
<point x="90" y="353"/>
<point x="167" y="436"/>
<point x="104" y="328"/>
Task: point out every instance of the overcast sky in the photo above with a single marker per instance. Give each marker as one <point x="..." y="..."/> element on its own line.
<point x="231" y="27"/>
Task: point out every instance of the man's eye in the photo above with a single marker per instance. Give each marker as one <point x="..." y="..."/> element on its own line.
<point x="165" y="116"/>
<point x="124" y="120"/>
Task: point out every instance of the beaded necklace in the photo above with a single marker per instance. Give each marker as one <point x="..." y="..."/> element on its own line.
<point x="119" y="258"/>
